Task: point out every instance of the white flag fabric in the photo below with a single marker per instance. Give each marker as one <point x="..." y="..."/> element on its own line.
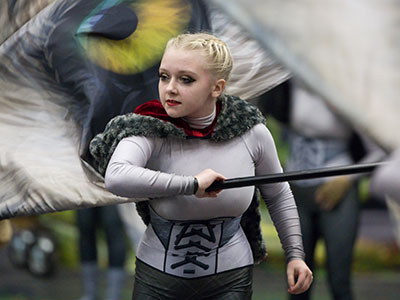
<point x="346" y="51"/>
<point x="68" y="66"/>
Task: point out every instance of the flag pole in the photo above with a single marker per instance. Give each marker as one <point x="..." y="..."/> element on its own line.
<point x="291" y="176"/>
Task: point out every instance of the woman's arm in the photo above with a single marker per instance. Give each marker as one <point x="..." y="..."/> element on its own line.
<point x="127" y="175"/>
<point x="278" y="196"/>
<point x="282" y="208"/>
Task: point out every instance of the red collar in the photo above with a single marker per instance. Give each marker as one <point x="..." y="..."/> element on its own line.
<point x="155" y="109"/>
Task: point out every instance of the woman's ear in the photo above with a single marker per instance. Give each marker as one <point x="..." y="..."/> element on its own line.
<point x="218" y="88"/>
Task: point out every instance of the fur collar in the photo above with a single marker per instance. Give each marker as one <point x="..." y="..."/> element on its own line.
<point x="237" y="116"/>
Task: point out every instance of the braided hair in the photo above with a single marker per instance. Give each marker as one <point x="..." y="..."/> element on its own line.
<point x="215" y="51"/>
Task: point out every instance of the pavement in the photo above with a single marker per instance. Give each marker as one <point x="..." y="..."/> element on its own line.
<point x="269" y="281"/>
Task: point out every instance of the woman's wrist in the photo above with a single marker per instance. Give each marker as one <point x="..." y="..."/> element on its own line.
<point x="195" y="185"/>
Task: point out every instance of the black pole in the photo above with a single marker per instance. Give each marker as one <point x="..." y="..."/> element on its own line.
<point x="290" y="176"/>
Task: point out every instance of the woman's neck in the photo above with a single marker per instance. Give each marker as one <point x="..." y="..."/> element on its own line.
<point x="202" y="122"/>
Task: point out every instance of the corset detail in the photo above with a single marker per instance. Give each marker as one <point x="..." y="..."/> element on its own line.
<point x="191" y="247"/>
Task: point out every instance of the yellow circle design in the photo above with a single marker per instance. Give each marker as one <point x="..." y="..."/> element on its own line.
<point x="158" y="21"/>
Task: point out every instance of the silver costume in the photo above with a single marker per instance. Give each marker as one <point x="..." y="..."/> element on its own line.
<point x="193" y="237"/>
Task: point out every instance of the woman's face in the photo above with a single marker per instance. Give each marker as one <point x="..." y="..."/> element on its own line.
<point x="186" y="87"/>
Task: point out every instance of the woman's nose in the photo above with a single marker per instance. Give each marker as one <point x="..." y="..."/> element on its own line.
<point x="171" y="87"/>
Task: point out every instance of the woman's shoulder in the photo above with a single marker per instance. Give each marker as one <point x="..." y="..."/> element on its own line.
<point x="259" y="132"/>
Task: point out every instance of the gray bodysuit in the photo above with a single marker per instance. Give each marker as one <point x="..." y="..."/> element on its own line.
<point x="192" y="237"/>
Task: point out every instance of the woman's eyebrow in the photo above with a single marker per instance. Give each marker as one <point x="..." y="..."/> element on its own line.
<point x="184" y="71"/>
<point x="188" y="73"/>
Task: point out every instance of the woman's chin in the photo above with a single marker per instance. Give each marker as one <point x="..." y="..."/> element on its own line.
<point x="173" y="114"/>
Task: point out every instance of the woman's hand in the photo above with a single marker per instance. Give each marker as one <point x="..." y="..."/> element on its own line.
<point x="5" y="232"/>
<point x="332" y="192"/>
<point x="299" y="276"/>
<point x="205" y="178"/>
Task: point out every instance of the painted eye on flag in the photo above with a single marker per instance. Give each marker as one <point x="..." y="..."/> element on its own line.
<point x="129" y="37"/>
<point x="66" y="68"/>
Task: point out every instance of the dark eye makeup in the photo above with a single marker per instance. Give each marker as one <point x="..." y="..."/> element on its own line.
<point x="184" y="79"/>
<point x="187" y="79"/>
<point x="163" y="76"/>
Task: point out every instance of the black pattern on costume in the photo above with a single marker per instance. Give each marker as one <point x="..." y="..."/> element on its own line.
<point x="236" y="117"/>
<point x="194" y="250"/>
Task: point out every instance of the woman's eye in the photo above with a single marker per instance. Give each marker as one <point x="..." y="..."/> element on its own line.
<point x="187" y="79"/>
<point x="163" y="77"/>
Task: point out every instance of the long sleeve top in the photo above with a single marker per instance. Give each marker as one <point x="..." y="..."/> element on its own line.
<point x="147" y="157"/>
<point x="163" y="169"/>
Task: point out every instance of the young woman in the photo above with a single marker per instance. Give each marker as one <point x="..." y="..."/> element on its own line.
<point x="169" y="151"/>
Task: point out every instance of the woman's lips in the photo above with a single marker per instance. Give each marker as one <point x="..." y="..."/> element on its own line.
<point x="171" y="102"/>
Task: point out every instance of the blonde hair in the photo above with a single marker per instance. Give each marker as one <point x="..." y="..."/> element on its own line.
<point x="215" y="51"/>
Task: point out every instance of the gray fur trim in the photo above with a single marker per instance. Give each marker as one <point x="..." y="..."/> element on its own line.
<point x="237" y="116"/>
<point x="104" y="144"/>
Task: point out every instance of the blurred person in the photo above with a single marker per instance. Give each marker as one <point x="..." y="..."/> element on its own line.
<point x="194" y="246"/>
<point x="32" y="245"/>
<point x="133" y="224"/>
<point x="328" y="207"/>
<point x="108" y="219"/>
<point x="385" y="184"/>
<point x="5" y="232"/>
<point x="385" y="179"/>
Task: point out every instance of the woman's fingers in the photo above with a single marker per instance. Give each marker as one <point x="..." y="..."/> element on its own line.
<point x="302" y="284"/>
<point x="299" y="277"/>
<point x="205" y="178"/>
